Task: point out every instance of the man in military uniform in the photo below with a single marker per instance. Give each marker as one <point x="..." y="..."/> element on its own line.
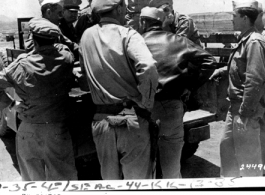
<point x="86" y="20"/>
<point x="122" y="78"/>
<point x="240" y="145"/>
<point x="42" y="79"/>
<point x="173" y="54"/>
<point x="177" y="23"/>
<point x="259" y="24"/>
<point x="70" y="14"/>
<point x="52" y="11"/>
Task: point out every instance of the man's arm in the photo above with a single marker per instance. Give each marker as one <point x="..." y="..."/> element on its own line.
<point x="202" y="62"/>
<point x="255" y="79"/>
<point x="72" y="46"/>
<point x="146" y="71"/>
<point x="184" y="26"/>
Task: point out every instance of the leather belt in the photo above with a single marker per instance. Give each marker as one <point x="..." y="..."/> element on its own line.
<point x="114" y="109"/>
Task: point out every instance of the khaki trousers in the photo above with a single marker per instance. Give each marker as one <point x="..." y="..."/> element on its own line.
<point x="45" y="152"/>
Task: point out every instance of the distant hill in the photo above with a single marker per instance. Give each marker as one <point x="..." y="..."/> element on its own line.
<point x="7" y="24"/>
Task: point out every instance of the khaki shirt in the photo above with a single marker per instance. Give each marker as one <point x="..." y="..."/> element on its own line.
<point x="117" y="64"/>
<point x="247" y="72"/>
<point x="42" y="79"/>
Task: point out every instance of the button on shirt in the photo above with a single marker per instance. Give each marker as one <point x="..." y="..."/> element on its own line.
<point x="42" y="79"/>
<point x="118" y="64"/>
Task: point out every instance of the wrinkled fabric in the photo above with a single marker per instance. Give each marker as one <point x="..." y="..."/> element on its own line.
<point x="181" y="64"/>
<point x="247" y="72"/>
<point x="29" y="45"/>
<point x="246" y="69"/>
<point x="42" y="80"/>
<point x="239" y="150"/>
<point x="123" y="147"/>
<point x="171" y="136"/>
<point x="68" y="31"/>
<point x="183" y="25"/>
<point x="117" y="64"/>
<point x="45" y="152"/>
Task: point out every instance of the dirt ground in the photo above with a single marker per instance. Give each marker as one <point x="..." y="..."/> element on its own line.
<point x="204" y="164"/>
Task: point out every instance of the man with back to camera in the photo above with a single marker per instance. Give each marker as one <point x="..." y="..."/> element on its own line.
<point x="173" y="54"/>
<point x="120" y="72"/>
<point x="42" y="79"/>
<point x="52" y="10"/>
<point x="240" y="144"/>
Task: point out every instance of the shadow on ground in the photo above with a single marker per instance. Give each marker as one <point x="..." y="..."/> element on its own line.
<point x="197" y="167"/>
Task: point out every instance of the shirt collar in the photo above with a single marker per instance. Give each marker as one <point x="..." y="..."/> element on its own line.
<point x="243" y="36"/>
<point x="109" y="20"/>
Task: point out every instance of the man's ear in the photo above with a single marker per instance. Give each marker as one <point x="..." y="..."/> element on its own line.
<point x="119" y="9"/>
<point x="48" y="13"/>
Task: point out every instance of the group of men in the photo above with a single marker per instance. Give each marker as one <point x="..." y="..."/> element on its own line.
<point x="136" y="83"/>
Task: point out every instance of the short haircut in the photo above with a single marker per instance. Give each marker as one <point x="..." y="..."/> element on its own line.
<point x="251" y="13"/>
<point x="51" y="6"/>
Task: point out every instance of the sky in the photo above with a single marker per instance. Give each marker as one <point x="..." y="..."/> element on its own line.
<point x="31" y="8"/>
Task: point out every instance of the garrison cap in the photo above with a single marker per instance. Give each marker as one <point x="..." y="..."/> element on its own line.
<point x="101" y="6"/>
<point x="72" y="7"/>
<point x="158" y="3"/>
<point x="261" y="7"/>
<point x="72" y="2"/>
<point x="245" y="4"/>
<point x="43" y="28"/>
<point x="152" y="12"/>
<point x="43" y="2"/>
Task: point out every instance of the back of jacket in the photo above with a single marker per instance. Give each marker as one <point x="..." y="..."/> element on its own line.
<point x="181" y="64"/>
<point x="42" y="79"/>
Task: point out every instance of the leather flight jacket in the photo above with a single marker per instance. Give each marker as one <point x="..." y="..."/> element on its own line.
<point x="181" y="64"/>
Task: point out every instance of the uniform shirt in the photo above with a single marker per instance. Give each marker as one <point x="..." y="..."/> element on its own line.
<point x="68" y="31"/>
<point x="42" y="79"/>
<point x="118" y="64"/>
<point x="247" y="72"/>
<point x="183" y="25"/>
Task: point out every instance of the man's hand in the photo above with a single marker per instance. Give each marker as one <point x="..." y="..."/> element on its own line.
<point x="240" y="124"/>
<point x="19" y="106"/>
<point x="186" y="95"/>
<point x="216" y="75"/>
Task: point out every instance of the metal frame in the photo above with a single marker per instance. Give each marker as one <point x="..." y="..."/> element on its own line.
<point x="20" y="32"/>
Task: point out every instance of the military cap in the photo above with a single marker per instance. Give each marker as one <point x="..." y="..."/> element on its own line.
<point x="43" y="28"/>
<point x="158" y="3"/>
<point x="101" y="6"/>
<point x="43" y="2"/>
<point x="246" y="4"/>
<point x="261" y="7"/>
<point x="72" y="7"/>
<point x="72" y="2"/>
<point x="152" y="12"/>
